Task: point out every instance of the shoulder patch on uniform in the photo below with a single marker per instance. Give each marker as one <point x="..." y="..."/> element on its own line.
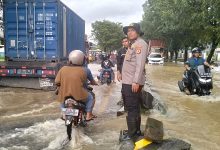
<point x="138" y="49"/>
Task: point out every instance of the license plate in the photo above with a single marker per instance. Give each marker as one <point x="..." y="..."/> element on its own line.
<point x="106" y="76"/>
<point x="71" y="112"/>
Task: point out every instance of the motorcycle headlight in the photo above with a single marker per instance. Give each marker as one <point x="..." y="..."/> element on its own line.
<point x="209" y="80"/>
<point x="202" y="80"/>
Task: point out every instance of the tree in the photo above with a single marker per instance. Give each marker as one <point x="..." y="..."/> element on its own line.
<point x="107" y="34"/>
<point x="163" y="19"/>
<point x="183" y="23"/>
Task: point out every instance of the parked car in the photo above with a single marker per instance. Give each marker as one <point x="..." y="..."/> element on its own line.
<point x="155" y="58"/>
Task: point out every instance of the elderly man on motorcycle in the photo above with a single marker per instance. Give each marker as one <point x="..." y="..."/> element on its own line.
<point x="72" y="80"/>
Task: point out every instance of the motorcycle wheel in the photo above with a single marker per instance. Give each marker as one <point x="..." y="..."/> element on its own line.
<point x="199" y="90"/>
<point x="181" y="87"/>
<point x="69" y="131"/>
<point x="108" y="83"/>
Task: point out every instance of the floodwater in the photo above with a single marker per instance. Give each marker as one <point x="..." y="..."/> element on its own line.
<point x="29" y="119"/>
<point x="192" y="118"/>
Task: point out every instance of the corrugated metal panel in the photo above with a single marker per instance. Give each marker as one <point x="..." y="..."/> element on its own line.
<point x="41" y="30"/>
<point x="75" y="29"/>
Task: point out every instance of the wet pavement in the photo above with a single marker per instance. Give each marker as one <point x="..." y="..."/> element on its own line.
<point x="30" y="118"/>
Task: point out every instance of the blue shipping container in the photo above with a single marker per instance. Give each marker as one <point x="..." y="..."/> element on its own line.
<point x="41" y="30"/>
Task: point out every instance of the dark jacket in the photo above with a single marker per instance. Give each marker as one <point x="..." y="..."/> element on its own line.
<point x="107" y="64"/>
<point x="120" y="58"/>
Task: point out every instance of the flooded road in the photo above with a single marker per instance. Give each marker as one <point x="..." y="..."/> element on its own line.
<point x="30" y="119"/>
<point x="192" y="118"/>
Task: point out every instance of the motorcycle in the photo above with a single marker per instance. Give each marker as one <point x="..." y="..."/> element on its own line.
<point x="105" y="77"/>
<point x="106" y="72"/>
<point x="197" y="81"/>
<point x="73" y="114"/>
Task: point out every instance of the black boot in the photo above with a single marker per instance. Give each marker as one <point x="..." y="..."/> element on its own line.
<point x="132" y="128"/>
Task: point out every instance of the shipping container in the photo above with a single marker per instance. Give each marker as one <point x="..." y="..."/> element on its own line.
<point x="41" y="30"/>
<point x="39" y="35"/>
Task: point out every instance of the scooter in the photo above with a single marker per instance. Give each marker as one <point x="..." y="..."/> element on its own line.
<point x="197" y="81"/>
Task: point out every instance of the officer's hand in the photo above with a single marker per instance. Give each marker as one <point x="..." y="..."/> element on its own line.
<point x="135" y="87"/>
<point x="119" y="77"/>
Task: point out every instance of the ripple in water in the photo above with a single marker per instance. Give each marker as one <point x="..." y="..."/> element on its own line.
<point x="48" y="135"/>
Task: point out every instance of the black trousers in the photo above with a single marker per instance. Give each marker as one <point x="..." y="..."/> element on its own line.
<point x="132" y="101"/>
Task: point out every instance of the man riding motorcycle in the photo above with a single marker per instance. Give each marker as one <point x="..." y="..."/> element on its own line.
<point x="192" y="63"/>
<point x="107" y="66"/>
<point x="196" y="60"/>
<point x="71" y="81"/>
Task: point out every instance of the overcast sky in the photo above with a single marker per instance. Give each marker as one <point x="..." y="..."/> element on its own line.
<point x="124" y="11"/>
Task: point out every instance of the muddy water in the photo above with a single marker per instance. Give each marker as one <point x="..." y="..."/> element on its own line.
<point x="29" y="119"/>
<point x="195" y="119"/>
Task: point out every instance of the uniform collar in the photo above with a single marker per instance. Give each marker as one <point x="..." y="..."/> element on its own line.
<point x="132" y="42"/>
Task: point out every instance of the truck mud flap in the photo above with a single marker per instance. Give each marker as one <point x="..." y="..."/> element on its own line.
<point x="30" y="83"/>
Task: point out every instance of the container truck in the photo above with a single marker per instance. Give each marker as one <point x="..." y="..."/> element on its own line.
<point x="39" y="35"/>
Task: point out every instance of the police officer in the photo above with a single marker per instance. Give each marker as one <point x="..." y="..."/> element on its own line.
<point x="133" y="77"/>
<point x="121" y="56"/>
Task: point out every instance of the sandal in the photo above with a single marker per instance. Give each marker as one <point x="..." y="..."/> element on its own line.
<point x="89" y="119"/>
<point x="94" y="116"/>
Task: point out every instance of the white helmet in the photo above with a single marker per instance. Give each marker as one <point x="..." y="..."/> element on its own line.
<point x="76" y="57"/>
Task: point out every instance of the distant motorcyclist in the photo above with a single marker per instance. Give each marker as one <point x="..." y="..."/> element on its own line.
<point x="107" y="65"/>
<point x="71" y="81"/>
